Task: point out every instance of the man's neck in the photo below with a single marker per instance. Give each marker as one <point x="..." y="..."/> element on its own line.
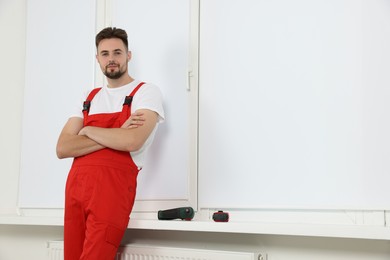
<point x="116" y="83"/>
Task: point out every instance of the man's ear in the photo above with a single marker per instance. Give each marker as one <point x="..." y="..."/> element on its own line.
<point x="97" y="59"/>
<point x="128" y="56"/>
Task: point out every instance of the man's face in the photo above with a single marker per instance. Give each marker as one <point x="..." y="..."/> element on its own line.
<point x="113" y="57"/>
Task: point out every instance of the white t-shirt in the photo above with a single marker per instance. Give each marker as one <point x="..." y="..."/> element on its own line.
<point x="110" y="100"/>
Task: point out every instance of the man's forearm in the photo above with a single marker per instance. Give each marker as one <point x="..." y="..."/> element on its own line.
<point x="76" y="145"/>
<point x="126" y="138"/>
<point x="114" y="138"/>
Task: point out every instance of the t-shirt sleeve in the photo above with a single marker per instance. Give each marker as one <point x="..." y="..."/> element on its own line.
<point x="77" y="109"/>
<point x="149" y="97"/>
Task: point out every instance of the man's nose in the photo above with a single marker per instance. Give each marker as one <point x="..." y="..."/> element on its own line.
<point x="111" y="57"/>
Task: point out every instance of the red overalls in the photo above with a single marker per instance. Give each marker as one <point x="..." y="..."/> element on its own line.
<point x="100" y="193"/>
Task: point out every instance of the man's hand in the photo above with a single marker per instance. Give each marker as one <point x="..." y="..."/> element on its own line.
<point x="135" y="120"/>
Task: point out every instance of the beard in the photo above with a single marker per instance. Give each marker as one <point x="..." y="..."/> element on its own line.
<point x="114" y="74"/>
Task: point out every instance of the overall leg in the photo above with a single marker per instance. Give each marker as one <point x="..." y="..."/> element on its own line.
<point x="74" y="224"/>
<point x="108" y="212"/>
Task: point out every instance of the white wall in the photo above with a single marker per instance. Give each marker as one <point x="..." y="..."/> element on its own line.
<point x="315" y="79"/>
<point x="29" y="242"/>
<point x="12" y="46"/>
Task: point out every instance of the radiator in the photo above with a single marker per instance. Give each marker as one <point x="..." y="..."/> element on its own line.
<point x="147" y="252"/>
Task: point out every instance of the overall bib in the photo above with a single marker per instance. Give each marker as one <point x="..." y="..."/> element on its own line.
<point x="100" y="192"/>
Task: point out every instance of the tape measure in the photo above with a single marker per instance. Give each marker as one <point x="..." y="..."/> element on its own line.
<point x="221" y="216"/>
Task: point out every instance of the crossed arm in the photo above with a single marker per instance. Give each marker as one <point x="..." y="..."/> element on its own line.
<point x="76" y="140"/>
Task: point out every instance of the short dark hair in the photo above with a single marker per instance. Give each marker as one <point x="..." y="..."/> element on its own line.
<point x="112" y="32"/>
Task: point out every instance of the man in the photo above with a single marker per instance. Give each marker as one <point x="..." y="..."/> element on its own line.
<point x="108" y="146"/>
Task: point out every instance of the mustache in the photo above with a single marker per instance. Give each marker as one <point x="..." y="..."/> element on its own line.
<point x="111" y="64"/>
